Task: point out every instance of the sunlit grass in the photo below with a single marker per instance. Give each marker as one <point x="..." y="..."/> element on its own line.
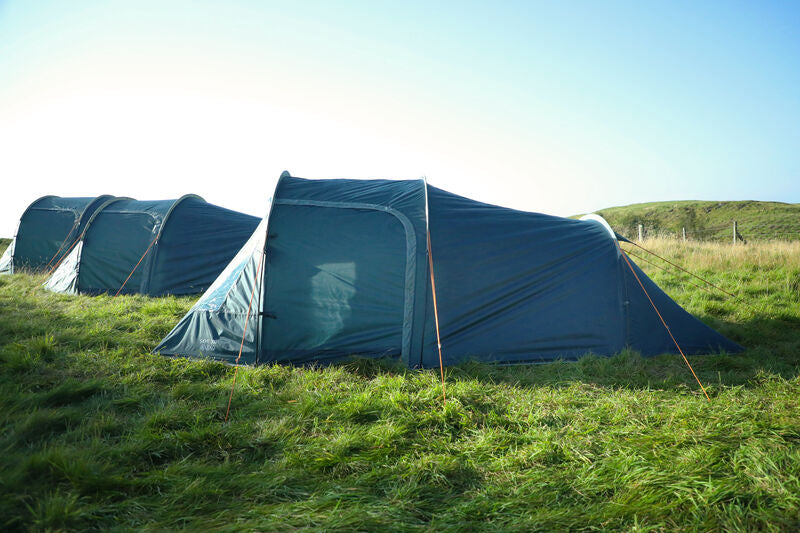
<point x="99" y="434"/>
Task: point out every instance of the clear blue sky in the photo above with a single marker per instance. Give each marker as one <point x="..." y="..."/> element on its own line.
<point x="558" y="107"/>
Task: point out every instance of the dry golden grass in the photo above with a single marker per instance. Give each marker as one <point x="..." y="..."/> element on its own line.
<point x="716" y="255"/>
<point x="765" y="276"/>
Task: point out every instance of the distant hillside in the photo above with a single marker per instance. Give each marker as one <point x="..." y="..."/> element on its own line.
<point x="708" y="220"/>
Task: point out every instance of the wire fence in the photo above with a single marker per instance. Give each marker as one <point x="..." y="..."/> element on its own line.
<point x="735" y="231"/>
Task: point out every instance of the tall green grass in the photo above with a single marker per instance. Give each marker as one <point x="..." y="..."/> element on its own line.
<point x="97" y="434"/>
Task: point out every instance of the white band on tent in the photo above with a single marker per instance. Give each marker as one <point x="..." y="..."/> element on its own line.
<point x="600" y="220"/>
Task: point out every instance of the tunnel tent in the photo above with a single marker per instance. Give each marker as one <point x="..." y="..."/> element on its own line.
<point x="46" y="230"/>
<point x="153" y="247"/>
<point x="343" y="267"/>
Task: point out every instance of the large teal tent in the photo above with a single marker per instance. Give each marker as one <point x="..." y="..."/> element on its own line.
<point x="342" y="267"/>
<point x="46" y="230"/>
<point x="152" y="247"/>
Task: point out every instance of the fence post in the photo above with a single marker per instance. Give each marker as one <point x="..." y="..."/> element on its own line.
<point x="735" y="229"/>
<point x="684" y="234"/>
<point x="640" y="233"/>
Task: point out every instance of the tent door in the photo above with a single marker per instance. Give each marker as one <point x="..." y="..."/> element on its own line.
<point x="335" y="283"/>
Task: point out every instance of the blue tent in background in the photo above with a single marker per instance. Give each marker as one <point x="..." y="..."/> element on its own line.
<point x="342" y="267"/>
<point x="152" y="247"/>
<point x="46" y="229"/>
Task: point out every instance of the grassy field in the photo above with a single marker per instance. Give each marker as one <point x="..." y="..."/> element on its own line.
<point x="708" y="221"/>
<point x="100" y="435"/>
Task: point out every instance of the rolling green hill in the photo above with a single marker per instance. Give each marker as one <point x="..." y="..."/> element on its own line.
<point x="711" y="221"/>
<point x="98" y="434"/>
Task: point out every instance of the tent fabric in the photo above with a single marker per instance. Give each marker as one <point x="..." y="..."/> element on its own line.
<point x="298" y="214"/>
<point x="221" y="322"/>
<point x="343" y="270"/>
<point x="65" y="277"/>
<point x="153" y="247"/>
<point x="547" y="291"/>
<point x="6" y="260"/>
<point x="46" y="230"/>
<point x="517" y="287"/>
